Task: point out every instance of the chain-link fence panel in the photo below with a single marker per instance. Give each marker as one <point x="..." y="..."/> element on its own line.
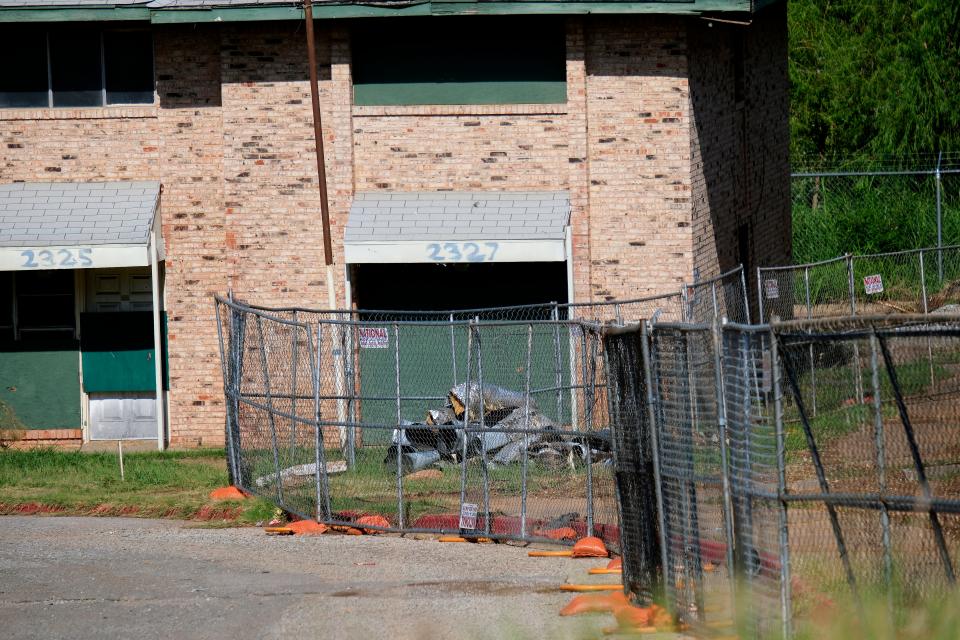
<point x="692" y="465"/>
<point x="487" y="428"/>
<point x="724" y="296"/>
<point x="635" y="467"/>
<point x="872" y="507"/>
<point x="758" y="517"/>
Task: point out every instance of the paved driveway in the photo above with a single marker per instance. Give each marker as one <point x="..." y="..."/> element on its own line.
<point x="79" y="578"/>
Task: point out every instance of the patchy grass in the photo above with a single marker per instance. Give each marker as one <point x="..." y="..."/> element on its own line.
<point x="170" y="484"/>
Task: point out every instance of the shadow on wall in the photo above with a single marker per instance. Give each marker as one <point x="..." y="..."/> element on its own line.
<point x="193" y="62"/>
<point x="739" y="95"/>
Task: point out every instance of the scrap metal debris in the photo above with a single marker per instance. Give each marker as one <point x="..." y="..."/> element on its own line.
<point x="511" y="423"/>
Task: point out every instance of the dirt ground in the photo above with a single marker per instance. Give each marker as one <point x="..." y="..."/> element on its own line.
<point x="66" y="577"/>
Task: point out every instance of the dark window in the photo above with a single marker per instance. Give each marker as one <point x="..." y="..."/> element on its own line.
<point x="45" y="302"/>
<point x="128" y="67"/>
<point x="6" y="305"/>
<point x="75" y="67"/>
<point x="23" y="81"/>
<point x="479" y="60"/>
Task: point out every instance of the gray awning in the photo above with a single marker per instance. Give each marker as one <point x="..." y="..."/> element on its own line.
<point x="71" y="225"/>
<point x="452" y="226"/>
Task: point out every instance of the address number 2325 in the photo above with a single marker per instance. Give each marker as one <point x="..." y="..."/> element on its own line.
<point x="462" y="251"/>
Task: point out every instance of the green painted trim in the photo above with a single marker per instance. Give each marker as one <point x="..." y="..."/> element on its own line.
<point x="75" y="15"/>
<point x="341" y="11"/>
<point x="411" y="93"/>
<point x="40" y="388"/>
<point x="245" y="14"/>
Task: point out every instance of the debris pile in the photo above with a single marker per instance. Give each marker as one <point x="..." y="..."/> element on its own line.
<point x="500" y="425"/>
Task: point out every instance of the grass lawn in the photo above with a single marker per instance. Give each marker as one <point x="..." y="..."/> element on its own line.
<point x="170" y="484"/>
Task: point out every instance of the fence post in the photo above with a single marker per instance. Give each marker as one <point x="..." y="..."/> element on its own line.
<point x="713" y="298"/>
<point x="401" y="432"/>
<point x="813" y="369"/>
<point x="857" y="373"/>
<point x="526" y="434"/>
<point x="926" y="311"/>
<point x="724" y="456"/>
<point x="654" y="426"/>
<point x="881" y="471"/>
<point x="466" y="415"/>
<point x="227" y="371"/>
<point x="556" y="353"/>
<point x="270" y="418"/>
<point x="786" y="593"/>
<point x="241" y="326"/>
<point x="760" y="295"/>
<point x="746" y="296"/>
<point x="346" y="346"/>
<point x="588" y="419"/>
<point x="939" y="182"/>
<point x="483" y="434"/>
<point x="453" y="351"/>
<point x="321" y="478"/>
<point x="294" y="360"/>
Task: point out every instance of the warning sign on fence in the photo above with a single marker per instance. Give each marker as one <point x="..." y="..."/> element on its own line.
<point x="772" y="288"/>
<point x="873" y="284"/>
<point x="468" y="515"/>
<point x="374" y="338"/>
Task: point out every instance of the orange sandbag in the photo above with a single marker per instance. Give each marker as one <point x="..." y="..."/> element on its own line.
<point x="227" y="493"/>
<point x="372" y="521"/>
<point x="590" y="547"/>
<point x="616" y="563"/>
<point x="563" y="533"/>
<point x="350" y="531"/>
<point x="642" y="618"/>
<point x="307" y="528"/>
<point x="595" y="603"/>
<point x="600" y="571"/>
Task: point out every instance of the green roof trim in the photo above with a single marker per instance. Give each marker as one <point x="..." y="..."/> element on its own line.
<point x="105" y="14"/>
<point x="326" y="11"/>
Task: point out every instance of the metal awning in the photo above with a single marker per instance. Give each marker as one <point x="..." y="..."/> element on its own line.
<point x="453" y="226"/>
<point x="78" y="225"/>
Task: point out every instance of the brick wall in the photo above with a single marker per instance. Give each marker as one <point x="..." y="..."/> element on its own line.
<point x="740" y="145"/>
<point x="192" y="209"/>
<point x="639" y="156"/>
<point x="651" y="144"/>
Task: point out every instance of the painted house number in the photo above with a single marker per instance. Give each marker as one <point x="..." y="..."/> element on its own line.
<point x="54" y="258"/>
<point x="462" y="251"/>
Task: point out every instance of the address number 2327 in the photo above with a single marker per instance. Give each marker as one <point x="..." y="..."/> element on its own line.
<point x="462" y="251"/>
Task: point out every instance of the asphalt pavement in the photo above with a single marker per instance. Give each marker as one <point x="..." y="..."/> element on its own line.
<point x="77" y="578"/>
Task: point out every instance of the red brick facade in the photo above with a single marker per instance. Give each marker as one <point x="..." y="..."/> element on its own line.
<point x="665" y="159"/>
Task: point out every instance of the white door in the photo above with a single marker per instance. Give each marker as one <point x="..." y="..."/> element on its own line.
<point x="126" y="416"/>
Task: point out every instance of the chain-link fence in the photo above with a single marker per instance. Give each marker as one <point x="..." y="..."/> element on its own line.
<point x="488" y="428"/>
<point x="781" y="512"/>
<point x="918" y="281"/>
<point x="724" y="296"/>
<point x="873" y="204"/>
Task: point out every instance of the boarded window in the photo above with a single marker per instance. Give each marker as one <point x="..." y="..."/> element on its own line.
<point x="476" y="60"/>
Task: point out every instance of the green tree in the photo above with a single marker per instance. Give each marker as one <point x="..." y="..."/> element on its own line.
<point x="874" y="77"/>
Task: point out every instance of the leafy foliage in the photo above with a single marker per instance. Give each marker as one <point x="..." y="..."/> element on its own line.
<point x="874" y="78"/>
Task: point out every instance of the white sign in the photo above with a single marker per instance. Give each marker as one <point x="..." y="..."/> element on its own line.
<point x="873" y="284"/>
<point x="772" y="287"/>
<point x="468" y="516"/>
<point x="374" y="338"/>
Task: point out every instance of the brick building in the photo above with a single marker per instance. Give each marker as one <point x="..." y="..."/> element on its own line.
<point x="569" y="151"/>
